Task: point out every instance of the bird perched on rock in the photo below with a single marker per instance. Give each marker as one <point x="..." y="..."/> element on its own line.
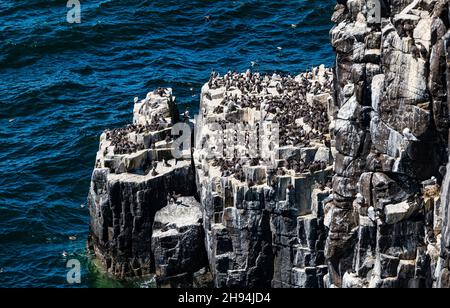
<point x="415" y="52"/>
<point x="430" y="182"/>
<point x="422" y="50"/>
<point x="186" y="115"/>
<point x="175" y="197"/>
<point x="372" y="214"/>
<point x="408" y="136"/>
<point x="154" y="165"/>
<point x="170" y="199"/>
<point x="359" y="199"/>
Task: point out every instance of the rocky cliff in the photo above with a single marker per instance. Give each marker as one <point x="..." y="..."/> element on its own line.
<point x="135" y="177"/>
<point x="262" y="209"/>
<point x="391" y="137"/>
<point x="332" y="178"/>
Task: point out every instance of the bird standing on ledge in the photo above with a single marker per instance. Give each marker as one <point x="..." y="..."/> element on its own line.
<point x="408" y="136"/>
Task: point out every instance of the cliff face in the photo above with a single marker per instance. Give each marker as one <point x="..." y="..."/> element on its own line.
<point x="263" y="212"/>
<point x="391" y="135"/>
<point x="135" y="177"/>
<point x="344" y="192"/>
<point x="260" y="221"/>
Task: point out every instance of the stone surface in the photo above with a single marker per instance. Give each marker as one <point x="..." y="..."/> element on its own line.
<point x="398" y="71"/>
<point x="263" y="220"/>
<point x="128" y="189"/>
<point x="178" y="243"/>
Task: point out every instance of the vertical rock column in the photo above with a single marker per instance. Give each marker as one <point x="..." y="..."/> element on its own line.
<point x="134" y="174"/>
<point x="440" y="79"/>
<point x="264" y="221"/>
<point x="391" y="137"/>
<point x="178" y="245"/>
<point x="357" y="45"/>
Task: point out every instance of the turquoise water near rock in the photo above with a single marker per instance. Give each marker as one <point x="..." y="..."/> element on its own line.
<point x="62" y="84"/>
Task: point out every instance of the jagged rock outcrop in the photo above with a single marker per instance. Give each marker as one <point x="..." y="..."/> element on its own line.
<point x="134" y="175"/>
<point x="263" y="211"/>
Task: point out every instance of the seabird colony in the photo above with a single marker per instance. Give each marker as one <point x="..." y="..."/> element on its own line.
<point x="298" y="104"/>
<point x="151" y="130"/>
<point x="155" y="122"/>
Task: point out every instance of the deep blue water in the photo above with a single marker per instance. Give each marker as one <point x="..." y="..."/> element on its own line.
<point x="62" y="84"/>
